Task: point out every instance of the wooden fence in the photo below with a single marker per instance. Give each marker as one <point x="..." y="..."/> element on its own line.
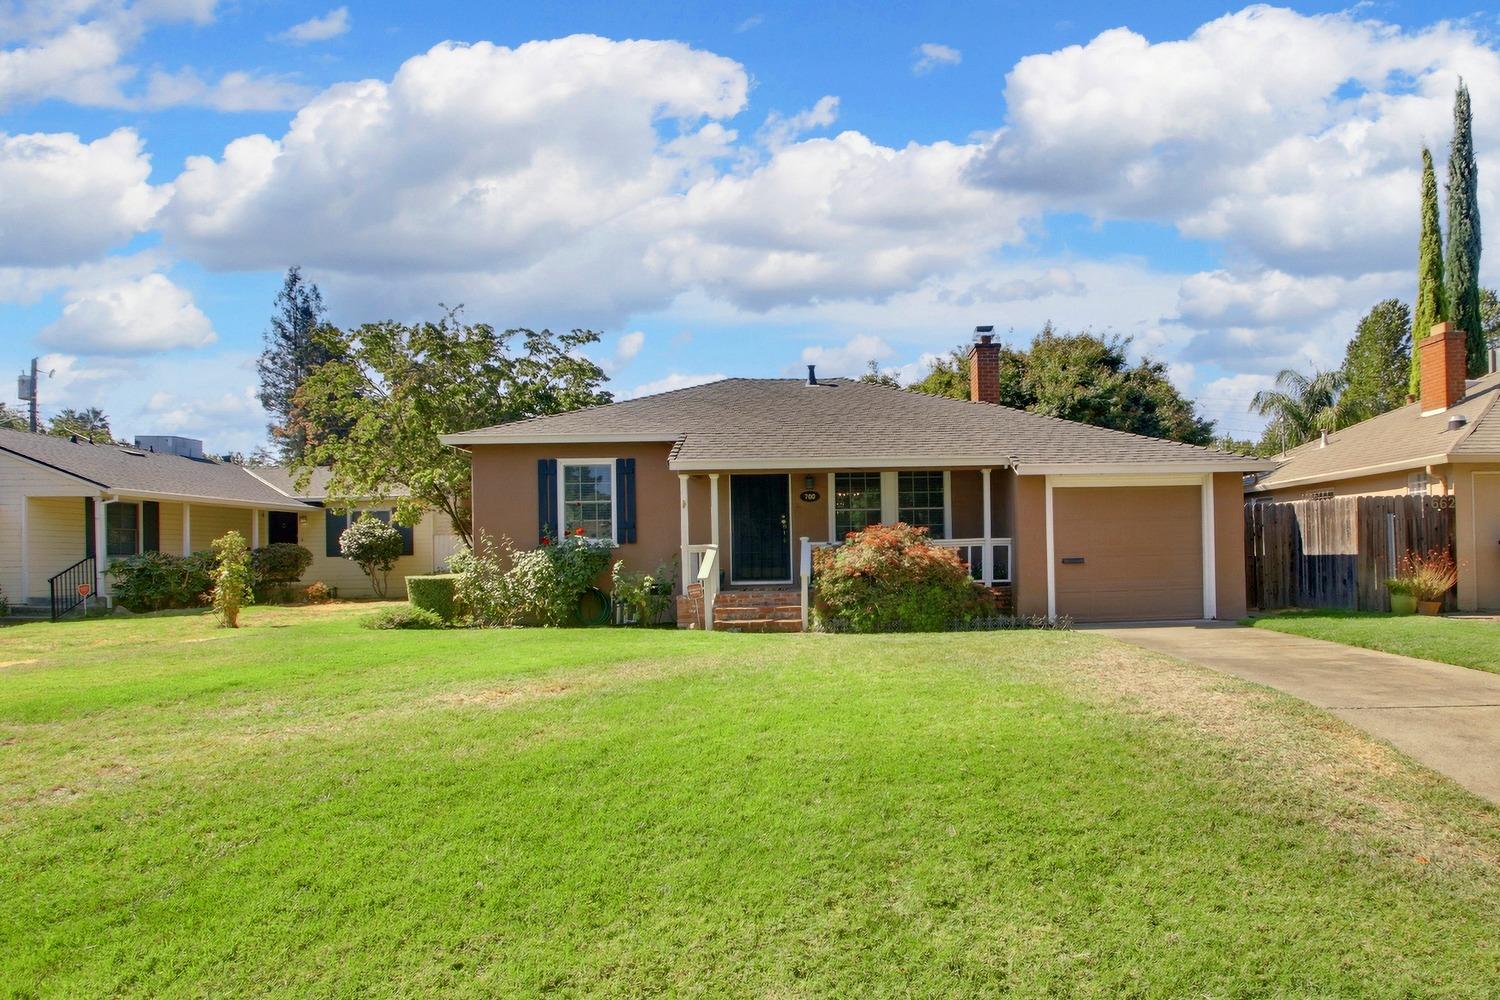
<point x="1338" y="552"/>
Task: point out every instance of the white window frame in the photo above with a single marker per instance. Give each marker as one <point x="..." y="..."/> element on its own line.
<point x="1418" y="484"/>
<point x="890" y="498"/>
<point x="614" y="495"/>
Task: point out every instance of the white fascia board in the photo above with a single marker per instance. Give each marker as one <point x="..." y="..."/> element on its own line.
<point x="466" y="438"/>
<point x="841" y="464"/>
<point x="206" y="501"/>
<point x="1142" y="468"/>
<point x="1359" y="472"/>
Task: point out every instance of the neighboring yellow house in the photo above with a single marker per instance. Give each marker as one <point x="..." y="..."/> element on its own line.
<point x="66" y="500"/>
<point x="1446" y="443"/>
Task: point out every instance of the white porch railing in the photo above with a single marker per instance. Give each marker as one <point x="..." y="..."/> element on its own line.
<point x="703" y="564"/>
<point x="988" y="558"/>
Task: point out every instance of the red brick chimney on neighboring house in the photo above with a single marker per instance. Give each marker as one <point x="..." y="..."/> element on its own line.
<point x="1444" y="368"/>
<point x="984" y="367"/>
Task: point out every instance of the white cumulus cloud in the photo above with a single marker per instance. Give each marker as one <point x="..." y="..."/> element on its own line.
<point x="143" y="316"/>
<point x="318" y="29"/>
<point x="932" y="55"/>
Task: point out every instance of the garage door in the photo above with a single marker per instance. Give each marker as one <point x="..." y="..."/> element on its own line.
<point x="1128" y="552"/>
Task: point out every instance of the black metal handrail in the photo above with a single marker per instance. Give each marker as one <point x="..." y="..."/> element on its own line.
<point x="68" y="586"/>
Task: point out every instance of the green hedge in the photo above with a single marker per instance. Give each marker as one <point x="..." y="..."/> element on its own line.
<point x="434" y="593"/>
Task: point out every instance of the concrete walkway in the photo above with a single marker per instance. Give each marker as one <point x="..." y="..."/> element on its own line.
<point x="1444" y="716"/>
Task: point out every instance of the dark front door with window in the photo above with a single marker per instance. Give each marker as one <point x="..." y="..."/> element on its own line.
<point x="761" y="529"/>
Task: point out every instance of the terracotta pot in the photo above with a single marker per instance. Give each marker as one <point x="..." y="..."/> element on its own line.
<point x="1403" y="604"/>
<point x="1429" y="607"/>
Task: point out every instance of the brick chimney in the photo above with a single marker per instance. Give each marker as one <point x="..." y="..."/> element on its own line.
<point x="1445" y="360"/>
<point x="984" y="367"/>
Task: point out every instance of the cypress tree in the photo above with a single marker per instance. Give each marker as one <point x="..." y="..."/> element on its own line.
<point x="1431" y="305"/>
<point x="1463" y="233"/>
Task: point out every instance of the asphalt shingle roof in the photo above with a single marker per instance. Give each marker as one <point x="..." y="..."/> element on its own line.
<point x="133" y="470"/>
<point x="781" y="421"/>
<point x="1401" y="437"/>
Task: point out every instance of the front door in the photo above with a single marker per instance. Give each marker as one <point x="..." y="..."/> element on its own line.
<point x="760" y="529"/>
<point x="283" y="525"/>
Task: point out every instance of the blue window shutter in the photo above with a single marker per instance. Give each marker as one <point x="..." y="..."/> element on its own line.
<point x="88" y="528"/>
<point x="150" y="526"/>
<point x="546" y="498"/>
<point x="625" y="485"/>
<point x="334" y="525"/>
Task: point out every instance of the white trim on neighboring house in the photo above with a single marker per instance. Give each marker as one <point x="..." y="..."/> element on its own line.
<point x="614" y="495"/>
<point x="625" y="437"/>
<point x="1205" y="484"/>
<point x="207" y="500"/>
<point x="1141" y="468"/>
<point x="1358" y="472"/>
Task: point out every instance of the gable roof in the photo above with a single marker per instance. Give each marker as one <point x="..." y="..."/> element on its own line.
<point x="133" y="470"/>
<point x="746" y="423"/>
<point x="1404" y="438"/>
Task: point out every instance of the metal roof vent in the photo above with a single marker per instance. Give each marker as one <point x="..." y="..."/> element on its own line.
<point x="812" y="374"/>
<point x="1457" y="422"/>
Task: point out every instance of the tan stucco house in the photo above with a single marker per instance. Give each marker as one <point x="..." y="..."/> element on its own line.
<point x="1061" y="518"/>
<point x="1447" y="442"/>
<point x="65" y="500"/>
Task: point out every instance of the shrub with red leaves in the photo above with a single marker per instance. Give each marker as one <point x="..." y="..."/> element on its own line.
<point x="892" y="578"/>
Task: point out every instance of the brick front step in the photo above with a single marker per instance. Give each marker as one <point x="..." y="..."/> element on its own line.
<point x="761" y="625"/>
<point x="731" y="614"/>
<point x="758" y="598"/>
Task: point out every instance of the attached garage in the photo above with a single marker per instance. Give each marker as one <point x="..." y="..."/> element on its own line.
<point x="1128" y="552"/>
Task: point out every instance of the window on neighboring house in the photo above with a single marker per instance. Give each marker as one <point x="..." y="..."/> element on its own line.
<point x="856" y="502"/>
<point x="1418" y="484"/>
<point x="122" y="523"/>
<point x="588" y="499"/>
<point x="1320" y="495"/>
<point x="921" y="502"/>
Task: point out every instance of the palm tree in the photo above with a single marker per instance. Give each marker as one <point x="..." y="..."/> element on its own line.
<point x="91" y="422"/>
<point x="1302" y="406"/>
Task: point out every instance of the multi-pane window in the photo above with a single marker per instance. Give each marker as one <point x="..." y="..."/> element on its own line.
<point x="1418" y="484"/>
<point x="588" y="500"/>
<point x="121" y="529"/>
<point x="856" y="502"/>
<point x="920" y="501"/>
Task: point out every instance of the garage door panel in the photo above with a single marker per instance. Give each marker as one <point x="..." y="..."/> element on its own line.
<point x="1141" y="549"/>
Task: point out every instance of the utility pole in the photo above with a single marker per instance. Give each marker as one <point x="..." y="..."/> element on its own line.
<point x="26" y="388"/>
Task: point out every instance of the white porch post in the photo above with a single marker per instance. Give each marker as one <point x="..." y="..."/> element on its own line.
<point x="682" y="492"/>
<point x="254" y="528"/>
<point x="101" y="547"/>
<point x="989" y="550"/>
<point x="1210" y="562"/>
<point x="25" y="553"/>
<point x="187" y="529"/>
<point x="713" y="508"/>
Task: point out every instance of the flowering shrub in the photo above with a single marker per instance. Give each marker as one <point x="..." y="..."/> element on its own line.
<point x="891" y="578"/>
<point x="645" y="596"/>
<point x="541" y="586"/>
<point x="373" y="544"/>
<point x="317" y="592"/>
<point x="1427" y="577"/>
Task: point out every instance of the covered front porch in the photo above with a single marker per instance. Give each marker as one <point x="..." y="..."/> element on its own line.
<point x="753" y="530"/>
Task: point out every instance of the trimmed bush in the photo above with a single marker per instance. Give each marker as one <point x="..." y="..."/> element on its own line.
<point x="891" y="578"/>
<point x="277" y="565"/>
<point x="437" y="593"/>
<point x="157" y="581"/>
<point x="408" y="617"/>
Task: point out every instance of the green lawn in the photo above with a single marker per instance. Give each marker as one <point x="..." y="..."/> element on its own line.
<point x="304" y="807"/>
<point x="1466" y="642"/>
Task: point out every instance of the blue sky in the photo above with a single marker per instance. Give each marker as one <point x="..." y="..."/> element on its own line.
<point x="734" y="189"/>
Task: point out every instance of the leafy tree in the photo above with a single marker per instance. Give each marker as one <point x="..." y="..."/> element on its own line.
<point x="92" y="422"/>
<point x="1463" y="233"/>
<point x="1489" y="315"/>
<point x="1083" y="377"/>
<point x="1374" y="380"/>
<point x="875" y="376"/>
<point x="1301" y="406"/>
<point x="1432" y="303"/>
<point x="293" y="351"/>
<point x="233" y="578"/>
<point x="12" y="419"/>
<point x="397" y="388"/>
<point x="375" y="546"/>
<point x="947" y="376"/>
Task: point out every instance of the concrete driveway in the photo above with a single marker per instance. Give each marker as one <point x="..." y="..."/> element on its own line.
<point x="1444" y="716"/>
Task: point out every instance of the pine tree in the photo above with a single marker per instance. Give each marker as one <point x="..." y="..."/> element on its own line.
<point x="1374" y="359"/>
<point x="1431" y="296"/>
<point x="1463" y="233"/>
<point x="292" y="352"/>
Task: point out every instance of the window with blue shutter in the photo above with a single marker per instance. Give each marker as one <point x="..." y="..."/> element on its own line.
<point x="408" y="536"/>
<point x="150" y="526"/>
<point x="625" y="487"/>
<point x="546" y="498"/>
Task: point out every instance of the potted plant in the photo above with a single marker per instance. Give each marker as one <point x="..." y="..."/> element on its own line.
<point x="1402" y="601"/>
<point x="1428" y="578"/>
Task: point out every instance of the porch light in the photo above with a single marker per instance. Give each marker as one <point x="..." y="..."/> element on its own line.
<point x="808" y="481"/>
